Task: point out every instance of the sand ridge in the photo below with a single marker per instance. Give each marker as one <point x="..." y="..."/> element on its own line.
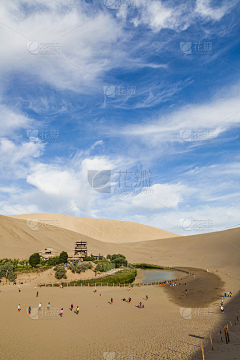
<point x="114" y="231"/>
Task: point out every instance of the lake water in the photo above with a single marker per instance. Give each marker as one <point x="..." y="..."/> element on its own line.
<point x="160" y="275"/>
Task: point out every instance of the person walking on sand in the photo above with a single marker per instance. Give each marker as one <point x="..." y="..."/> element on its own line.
<point x="37" y="294"/>
<point x="129" y="288"/>
<point x="71" y="306"/>
<point x="39" y="306"/>
<point x="111" y="301"/>
<point x="77" y="310"/>
<point x="222" y="309"/>
<point x="186" y="291"/>
<point x="48" y="305"/>
<point x="95" y="289"/>
<point x="19" y="307"/>
<point x="146" y="297"/>
<point x="61" y="312"/>
<point x="29" y="310"/>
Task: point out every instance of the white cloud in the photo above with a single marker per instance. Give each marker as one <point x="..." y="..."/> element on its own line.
<point x="203" y="7"/>
<point x="215" y="116"/>
<point x="159" y="15"/>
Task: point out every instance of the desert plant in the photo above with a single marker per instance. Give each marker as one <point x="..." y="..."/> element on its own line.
<point x="60" y="272"/>
<point x="34" y="260"/>
<point x="6" y="270"/>
<point x="63" y="257"/>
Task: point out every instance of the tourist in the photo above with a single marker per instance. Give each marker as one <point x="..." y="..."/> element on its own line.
<point x="129" y="288"/>
<point x="61" y="312"/>
<point x="19" y="307"/>
<point x="111" y="301"/>
<point x="228" y="293"/>
<point x="48" y="305"/>
<point x="222" y="309"/>
<point x="29" y="310"/>
<point x="186" y="291"/>
<point x="146" y="297"/>
<point x="95" y="289"/>
<point x="72" y="307"/>
<point x="37" y="294"/>
<point x="129" y="300"/>
<point x="39" y="306"/>
<point x="77" y="310"/>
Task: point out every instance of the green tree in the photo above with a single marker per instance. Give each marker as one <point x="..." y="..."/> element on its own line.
<point x="63" y="257"/>
<point x="6" y="270"/>
<point x="120" y="261"/>
<point x="53" y="260"/>
<point x="89" y="258"/>
<point x="60" y="272"/>
<point x="115" y="256"/>
<point x="98" y="267"/>
<point x="34" y="260"/>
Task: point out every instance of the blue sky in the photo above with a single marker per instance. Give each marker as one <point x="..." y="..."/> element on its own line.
<point x="167" y="113"/>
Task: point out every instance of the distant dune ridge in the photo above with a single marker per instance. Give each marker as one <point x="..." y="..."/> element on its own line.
<point x="213" y="251"/>
<point x="114" y="231"/>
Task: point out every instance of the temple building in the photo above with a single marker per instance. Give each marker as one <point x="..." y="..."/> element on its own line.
<point x="80" y="251"/>
<point x="48" y="253"/>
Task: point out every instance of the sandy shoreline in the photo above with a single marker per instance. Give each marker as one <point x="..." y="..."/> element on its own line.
<point x="157" y="331"/>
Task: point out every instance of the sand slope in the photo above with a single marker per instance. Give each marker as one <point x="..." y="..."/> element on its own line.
<point x="18" y="240"/>
<point x="218" y="250"/>
<point x="113" y="231"/>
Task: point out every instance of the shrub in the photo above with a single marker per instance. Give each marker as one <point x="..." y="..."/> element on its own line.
<point x="60" y="272"/>
<point x="120" y="261"/>
<point x="88" y="258"/>
<point x="34" y="260"/>
<point x="63" y="257"/>
<point x="115" y="256"/>
<point x="53" y="260"/>
<point x="6" y="270"/>
<point x="98" y="267"/>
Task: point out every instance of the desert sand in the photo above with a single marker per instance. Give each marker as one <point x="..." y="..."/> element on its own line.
<point x="106" y="230"/>
<point x="159" y="331"/>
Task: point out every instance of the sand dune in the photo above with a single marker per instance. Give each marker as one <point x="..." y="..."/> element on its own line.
<point x="159" y="330"/>
<point x="213" y="251"/>
<point x="18" y="240"/>
<point x="113" y="231"/>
